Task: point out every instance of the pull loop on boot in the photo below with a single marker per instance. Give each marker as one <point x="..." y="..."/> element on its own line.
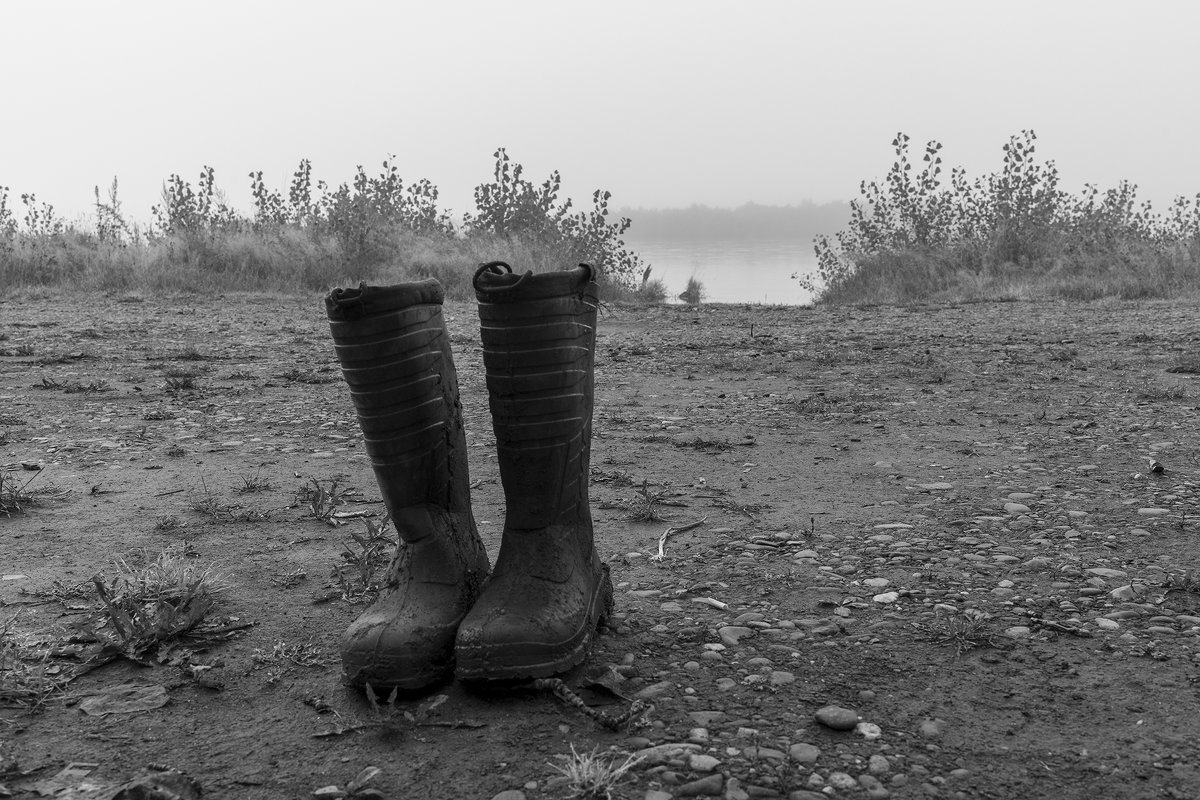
<point x="538" y="613"/>
<point x="395" y="355"/>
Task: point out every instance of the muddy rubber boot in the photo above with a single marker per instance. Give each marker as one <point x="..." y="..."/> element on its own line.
<point x="392" y="345"/>
<point x="538" y="613"/>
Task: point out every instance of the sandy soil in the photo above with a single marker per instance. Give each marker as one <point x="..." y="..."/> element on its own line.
<point x="946" y="520"/>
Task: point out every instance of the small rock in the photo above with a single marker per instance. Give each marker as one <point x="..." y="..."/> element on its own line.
<point x="886" y="597"/>
<point x="931" y="728"/>
<point x="706" y="786"/>
<point x="876" y="583"/>
<point x="1107" y="624"/>
<point x="707" y="718"/>
<point x="840" y="780"/>
<point x="959" y="774"/>
<point x="510" y="794"/>
<point x="804" y="753"/>
<point x="656" y="794"/>
<point x="935" y="487"/>
<point x="837" y="718"/>
<point x="702" y="763"/>
<point x="654" y="690"/>
<point x="782" y="678"/>
<point x="879" y="765"/>
<point x="730" y="634"/>
<point x="868" y="730"/>
<point x="1018" y="632"/>
<point x="1153" y="512"/>
<point x="1105" y="572"/>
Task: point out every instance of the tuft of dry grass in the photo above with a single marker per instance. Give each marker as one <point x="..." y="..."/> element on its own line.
<point x="26" y="680"/>
<point x="163" y="598"/>
<point x="593" y="775"/>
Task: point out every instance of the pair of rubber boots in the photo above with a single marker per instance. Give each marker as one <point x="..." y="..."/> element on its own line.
<point x="441" y="612"/>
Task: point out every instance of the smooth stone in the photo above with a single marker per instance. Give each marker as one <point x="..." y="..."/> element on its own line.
<point x="730" y="634"/>
<point x="879" y="764"/>
<point x="510" y="794"/>
<point x="1019" y="496"/>
<point x="654" y="690"/>
<point x="1107" y="624"/>
<point x="656" y="794"/>
<point x="837" y="718"/>
<point x="1016" y="508"/>
<point x="706" y="786"/>
<point x="886" y="597"/>
<point x="1018" y="632"/>
<point x="702" y="763"/>
<point x="804" y="753"/>
<point x="782" y="678"/>
<point x="934" y="487"/>
<point x="670" y="606"/>
<point x="841" y="780"/>
<point x="1160" y="630"/>
<point x="707" y="718"/>
<point x="1153" y="512"/>
<point x="931" y="728"/>
<point x="769" y="753"/>
<point x="660" y="753"/>
<point x="1105" y="572"/>
<point x="876" y="583"/>
<point x="805" y="794"/>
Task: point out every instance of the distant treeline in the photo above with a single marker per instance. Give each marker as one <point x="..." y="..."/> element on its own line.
<point x="750" y="221"/>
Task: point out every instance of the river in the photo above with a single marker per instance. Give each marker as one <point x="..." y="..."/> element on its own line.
<point x="733" y="271"/>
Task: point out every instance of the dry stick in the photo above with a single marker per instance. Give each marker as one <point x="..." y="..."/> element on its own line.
<point x="662" y="540"/>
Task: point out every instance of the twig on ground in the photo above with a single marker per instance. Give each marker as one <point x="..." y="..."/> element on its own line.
<point x="662" y="540"/>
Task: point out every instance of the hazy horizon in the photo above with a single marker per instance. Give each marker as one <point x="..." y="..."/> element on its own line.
<point x="666" y="105"/>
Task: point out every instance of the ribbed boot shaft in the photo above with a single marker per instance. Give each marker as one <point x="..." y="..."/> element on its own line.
<point x="398" y="366"/>
<point x="538" y="354"/>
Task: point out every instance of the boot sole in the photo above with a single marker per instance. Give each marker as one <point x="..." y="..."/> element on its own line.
<point x="506" y="664"/>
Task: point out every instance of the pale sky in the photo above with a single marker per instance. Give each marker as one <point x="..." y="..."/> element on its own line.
<point x="665" y="103"/>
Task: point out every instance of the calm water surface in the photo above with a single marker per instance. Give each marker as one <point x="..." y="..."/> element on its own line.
<point x="732" y="271"/>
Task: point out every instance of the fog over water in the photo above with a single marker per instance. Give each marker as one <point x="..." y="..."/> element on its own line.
<point x="732" y="271"/>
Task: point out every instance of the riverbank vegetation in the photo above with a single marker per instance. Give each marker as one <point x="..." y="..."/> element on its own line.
<point x="1013" y="234"/>
<point x="312" y="236"/>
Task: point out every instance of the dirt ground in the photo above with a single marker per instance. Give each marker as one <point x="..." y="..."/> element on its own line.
<point x="950" y="521"/>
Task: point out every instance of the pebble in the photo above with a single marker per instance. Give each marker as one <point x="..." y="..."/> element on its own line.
<point x="1016" y="508"/>
<point x="510" y="794"/>
<point x="730" y="634"/>
<point x="841" y="780"/>
<point x="876" y="583"/>
<point x="879" y="765"/>
<point x="886" y="597"/>
<point x="707" y="718"/>
<point x="1018" y="632"/>
<point x="706" y="786"/>
<point x="935" y="487"/>
<point x="837" y="718"/>
<point x="1107" y="624"/>
<point x="931" y="728"/>
<point x="656" y="794"/>
<point x="1105" y="572"/>
<point x="702" y="763"/>
<point x="804" y="753"/>
<point x="1153" y="512"/>
<point x="782" y="678"/>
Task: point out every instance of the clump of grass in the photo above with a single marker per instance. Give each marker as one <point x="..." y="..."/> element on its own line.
<point x="253" y="484"/>
<point x="593" y="775"/>
<point x="16" y="496"/>
<point x="964" y="632"/>
<point x="157" y="414"/>
<point x="25" y="678"/>
<point x="306" y="654"/>
<point x="359" y="574"/>
<point x="162" y="599"/>
<point x="181" y="383"/>
<point x="1158" y="393"/>
<point x="217" y="511"/>
<point x="322" y="500"/>
<point x="644" y="506"/>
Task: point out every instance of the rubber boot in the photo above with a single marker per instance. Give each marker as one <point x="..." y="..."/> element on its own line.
<point x="538" y="612"/>
<point x="391" y="342"/>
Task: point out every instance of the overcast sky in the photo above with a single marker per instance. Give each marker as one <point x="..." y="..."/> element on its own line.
<point x="663" y="102"/>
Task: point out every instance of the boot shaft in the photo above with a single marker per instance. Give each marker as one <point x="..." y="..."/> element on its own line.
<point x="539" y="338"/>
<point x="395" y="355"/>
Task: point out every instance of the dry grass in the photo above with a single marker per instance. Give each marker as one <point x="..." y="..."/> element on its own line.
<point x="163" y="598"/>
<point x="26" y="680"/>
<point x="593" y="775"/>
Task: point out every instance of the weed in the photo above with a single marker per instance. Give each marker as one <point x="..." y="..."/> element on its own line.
<point x="322" y="500"/>
<point x="289" y="579"/>
<point x="592" y="775"/>
<point x="148" y="605"/>
<point x="358" y="573"/>
<point x="169" y="522"/>
<point x="11" y="419"/>
<point x="1159" y="393"/>
<point x="26" y="679"/>
<point x="644" y="507"/>
<point x="965" y="631"/>
<point x="253" y="484"/>
<point x="16" y="496"/>
<point x="175" y="451"/>
<point x="180" y="383"/>
<point x="302" y="655"/>
<point x="216" y="511"/>
<point x="1186" y="581"/>
<point x="24" y="350"/>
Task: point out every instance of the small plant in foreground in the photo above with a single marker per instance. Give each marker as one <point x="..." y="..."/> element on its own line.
<point x="357" y="574"/>
<point x="644" y="507"/>
<point x="593" y="776"/>
<point x="25" y="681"/>
<point x="302" y="655"/>
<point x="151" y="604"/>
<point x="322" y="500"/>
<point x="14" y="494"/>
<point x="253" y="484"/>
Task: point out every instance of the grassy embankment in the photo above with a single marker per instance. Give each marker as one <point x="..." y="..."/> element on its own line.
<point x="374" y="228"/>
<point x="1010" y="235"/>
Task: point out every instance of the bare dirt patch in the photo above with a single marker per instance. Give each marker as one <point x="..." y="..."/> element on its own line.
<point x="973" y="527"/>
